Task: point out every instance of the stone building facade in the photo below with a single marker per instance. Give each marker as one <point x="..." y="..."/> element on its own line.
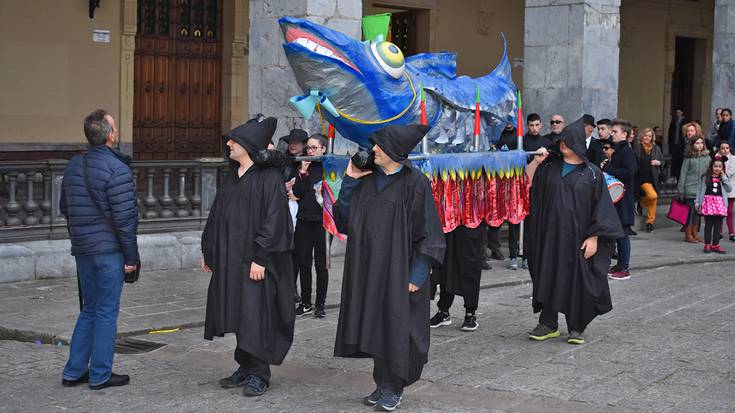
<point x="630" y="58"/>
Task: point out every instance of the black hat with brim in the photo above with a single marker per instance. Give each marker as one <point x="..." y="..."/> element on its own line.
<point x="397" y="141"/>
<point x="254" y="136"/>
<point x="296" y="135"/>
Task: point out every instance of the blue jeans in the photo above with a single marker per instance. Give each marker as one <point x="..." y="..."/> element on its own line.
<point x="93" y="341"/>
<point x="623" y="252"/>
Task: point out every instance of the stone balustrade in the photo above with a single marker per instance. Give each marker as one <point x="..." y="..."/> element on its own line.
<point x="172" y="196"/>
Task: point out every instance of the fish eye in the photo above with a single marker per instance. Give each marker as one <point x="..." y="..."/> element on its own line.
<point x="390" y="58"/>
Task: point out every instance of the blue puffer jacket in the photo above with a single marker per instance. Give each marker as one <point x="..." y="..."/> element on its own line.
<point x="111" y="182"/>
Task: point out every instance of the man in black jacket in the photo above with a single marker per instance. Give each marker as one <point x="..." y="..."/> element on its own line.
<point x="677" y="141"/>
<point x="595" y="154"/>
<point x="104" y="247"/>
<point x="310" y="234"/>
<point x="622" y="165"/>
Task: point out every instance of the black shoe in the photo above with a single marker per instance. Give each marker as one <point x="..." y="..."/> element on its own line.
<point x="72" y="383"/>
<point x="319" y="312"/>
<point x="237" y="379"/>
<point x="649" y="228"/>
<point x="732" y="238"/>
<point x="470" y="322"/>
<point x="440" y="319"/>
<point x="485" y="265"/>
<point x="630" y="231"/>
<point x="114" y="381"/>
<point x="304" y="309"/>
<point x="255" y="386"/>
<point x="497" y="255"/>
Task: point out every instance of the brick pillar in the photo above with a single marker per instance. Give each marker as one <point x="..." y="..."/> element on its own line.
<point x="571" y="57"/>
<point x="723" y="56"/>
<point x="271" y="80"/>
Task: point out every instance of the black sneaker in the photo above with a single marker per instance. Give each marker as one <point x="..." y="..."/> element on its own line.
<point x="255" y="386"/>
<point x="575" y="337"/>
<point x="485" y="265"/>
<point x="373" y="398"/>
<point x="497" y="255"/>
<point x="649" y="228"/>
<point x="630" y="231"/>
<point x="732" y="238"/>
<point x="114" y="381"/>
<point x="304" y="309"/>
<point x="543" y="333"/>
<point x="440" y="319"/>
<point x="237" y="379"/>
<point x="470" y="322"/>
<point x="388" y="402"/>
<point x="319" y="312"/>
<point x="72" y="383"/>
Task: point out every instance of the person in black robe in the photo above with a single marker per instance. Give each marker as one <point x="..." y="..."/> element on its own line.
<point x="571" y="227"/>
<point x="393" y="237"/>
<point x="246" y="244"/>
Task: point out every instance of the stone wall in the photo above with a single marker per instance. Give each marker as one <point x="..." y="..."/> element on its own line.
<point x="723" y="56"/>
<point x="272" y="81"/>
<point x="571" y="57"/>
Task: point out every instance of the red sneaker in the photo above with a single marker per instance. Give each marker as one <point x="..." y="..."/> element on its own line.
<point x="613" y="270"/>
<point x="717" y="249"/>
<point x="619" y="275"/>
<point x="707" y="248"/>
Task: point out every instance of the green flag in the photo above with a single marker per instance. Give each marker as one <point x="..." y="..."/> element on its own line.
<point x="374" y="25"/>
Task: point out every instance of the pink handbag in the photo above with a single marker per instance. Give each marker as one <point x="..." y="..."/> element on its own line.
<point x="678" y="211"/>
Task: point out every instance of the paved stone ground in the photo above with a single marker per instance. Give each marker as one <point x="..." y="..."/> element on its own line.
<point x="667" y="346"/>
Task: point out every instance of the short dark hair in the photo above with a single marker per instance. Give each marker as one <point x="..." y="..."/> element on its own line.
<point x="532" y="117"/>
<point x="321" y="138"/>
<point x="604" y="121"/>
<point x="625" y="126"/>
<point x="726" y="110"/>
<point x="97" y="128"/>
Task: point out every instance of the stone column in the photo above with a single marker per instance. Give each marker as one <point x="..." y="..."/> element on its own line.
<point x="271" y="80"/>
<point x="128" y="10"/>
<point x="723" y="56"/>
<point x="571" y="58"/>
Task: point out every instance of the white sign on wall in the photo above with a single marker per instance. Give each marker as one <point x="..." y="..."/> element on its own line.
<point x="100" y="36"/>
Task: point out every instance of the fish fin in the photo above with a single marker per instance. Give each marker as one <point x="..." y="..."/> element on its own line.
<point x="442" y="64"/>
<point x="502" y="70"/>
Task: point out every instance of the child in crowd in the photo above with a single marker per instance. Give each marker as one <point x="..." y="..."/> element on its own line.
<point x="711" y="202"/>
<point x="724" y="150"/>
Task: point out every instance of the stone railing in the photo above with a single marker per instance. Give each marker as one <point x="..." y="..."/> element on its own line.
<point x="172" y="196"/>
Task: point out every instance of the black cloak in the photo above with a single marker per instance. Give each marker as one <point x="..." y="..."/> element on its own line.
<point x="378" y="316"/>
<point x="564" y="212"/>
<point x="250" y="222"/>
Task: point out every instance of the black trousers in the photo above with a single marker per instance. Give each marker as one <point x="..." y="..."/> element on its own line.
<point x="462" y="264"/>
<point x="384" y="379"/>
<point x="250" y="364"/>
<point x="514" y="232"/>
<point x="309" y="241"/>
<point x="551" y="319"/>
<point x="712" y="229"/>
<point x="493" y="238"/>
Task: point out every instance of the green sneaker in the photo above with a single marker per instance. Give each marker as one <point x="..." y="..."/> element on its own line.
<point x="575" y="337"/>
<point x="542" y="332"/>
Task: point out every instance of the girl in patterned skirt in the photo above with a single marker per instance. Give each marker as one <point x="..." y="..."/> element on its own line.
<point x="711" y="202"/>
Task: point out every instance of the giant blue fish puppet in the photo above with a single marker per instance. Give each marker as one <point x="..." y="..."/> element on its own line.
<point x="363" y="86"/>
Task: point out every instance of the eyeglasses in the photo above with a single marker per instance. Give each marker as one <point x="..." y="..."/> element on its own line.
<point x="313" y="148"/>
<point x="556" y="122"/>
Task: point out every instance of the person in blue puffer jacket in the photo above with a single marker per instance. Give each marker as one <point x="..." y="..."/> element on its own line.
<point x="103" y="254"/>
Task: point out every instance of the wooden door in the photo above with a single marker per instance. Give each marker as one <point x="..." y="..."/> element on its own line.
<point x="178" y="63"/>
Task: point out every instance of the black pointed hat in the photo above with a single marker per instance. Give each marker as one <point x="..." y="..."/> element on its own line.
<point x="574" y="137"/>
<point x="296" y="135"/>
<point x="254" y="136"/>
<point x="398" y="140"/>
